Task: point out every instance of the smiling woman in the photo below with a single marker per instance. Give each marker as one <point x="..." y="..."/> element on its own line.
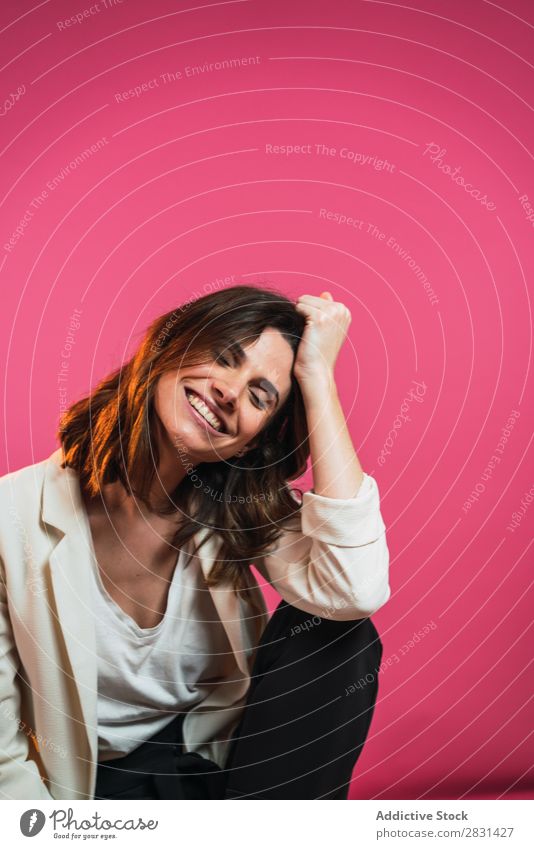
<point x="152" y="658"/>
<point x="231" y="353"/>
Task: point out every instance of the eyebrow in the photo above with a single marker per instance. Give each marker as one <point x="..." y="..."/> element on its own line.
<point x="240" y="355"/>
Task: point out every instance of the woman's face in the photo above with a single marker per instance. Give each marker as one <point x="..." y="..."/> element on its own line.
<point x="211" y="411"/>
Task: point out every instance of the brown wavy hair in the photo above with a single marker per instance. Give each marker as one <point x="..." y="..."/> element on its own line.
<point x="109" y="435"/>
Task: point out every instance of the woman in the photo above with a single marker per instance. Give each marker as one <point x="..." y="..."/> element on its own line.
<point x="138" y="658"/>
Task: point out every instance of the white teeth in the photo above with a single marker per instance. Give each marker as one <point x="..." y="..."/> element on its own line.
<point x="204" y="411"/>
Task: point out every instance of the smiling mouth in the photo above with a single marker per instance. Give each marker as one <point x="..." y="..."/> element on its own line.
<point x="204" y="411"/>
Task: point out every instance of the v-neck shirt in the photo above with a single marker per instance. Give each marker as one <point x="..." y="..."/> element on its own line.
<point x="148" y="675"/>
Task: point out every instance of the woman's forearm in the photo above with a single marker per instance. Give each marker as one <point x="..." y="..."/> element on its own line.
<point x="337" y="472"/>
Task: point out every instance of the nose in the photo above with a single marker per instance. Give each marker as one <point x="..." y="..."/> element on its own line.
<point x="224" y="393"/>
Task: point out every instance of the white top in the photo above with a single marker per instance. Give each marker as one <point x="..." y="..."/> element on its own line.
<point x="148" y="675"/>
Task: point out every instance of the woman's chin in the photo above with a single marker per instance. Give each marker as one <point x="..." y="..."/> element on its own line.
<point x="195" y="448"/>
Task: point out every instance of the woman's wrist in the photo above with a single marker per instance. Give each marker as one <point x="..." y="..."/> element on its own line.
<point x="317" y="387"/>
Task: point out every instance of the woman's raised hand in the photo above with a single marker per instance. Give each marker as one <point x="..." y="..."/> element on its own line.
<point x="327" y="322"/>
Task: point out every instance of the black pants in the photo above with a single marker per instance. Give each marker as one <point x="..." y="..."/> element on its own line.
<point x="307" y="715"/>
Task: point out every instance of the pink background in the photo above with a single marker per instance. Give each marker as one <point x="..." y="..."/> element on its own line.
<point x="182" y="192"/>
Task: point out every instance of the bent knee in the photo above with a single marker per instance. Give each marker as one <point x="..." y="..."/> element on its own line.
<point x="328" y="644"/>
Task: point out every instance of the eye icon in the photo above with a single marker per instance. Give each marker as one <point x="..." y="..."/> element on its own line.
<point x="31" y="822"/>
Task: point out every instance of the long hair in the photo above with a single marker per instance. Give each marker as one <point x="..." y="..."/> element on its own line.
<point x="109" y="435"/>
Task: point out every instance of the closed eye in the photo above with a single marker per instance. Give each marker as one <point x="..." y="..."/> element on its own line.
<point x="258" y="402"/>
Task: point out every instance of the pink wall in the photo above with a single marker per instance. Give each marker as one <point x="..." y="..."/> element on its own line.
<point x="391" y="105"/>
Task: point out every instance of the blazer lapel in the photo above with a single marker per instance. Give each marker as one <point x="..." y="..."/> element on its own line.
<point x="224" y="598"/>
<point x="70" y="565"/>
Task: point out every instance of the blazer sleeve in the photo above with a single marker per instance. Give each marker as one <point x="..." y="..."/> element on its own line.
<point x="334" y="561"/>
<point x="19" y="776"/>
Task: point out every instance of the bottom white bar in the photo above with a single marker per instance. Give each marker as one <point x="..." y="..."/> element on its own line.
<point x="262" y="825"/>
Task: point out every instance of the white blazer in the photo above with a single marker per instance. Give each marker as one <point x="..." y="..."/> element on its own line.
<point x="333" y="562"/>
